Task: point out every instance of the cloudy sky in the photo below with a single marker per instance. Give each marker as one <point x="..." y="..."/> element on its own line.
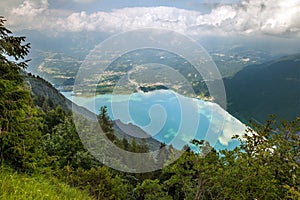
<point x="192" y="17"/>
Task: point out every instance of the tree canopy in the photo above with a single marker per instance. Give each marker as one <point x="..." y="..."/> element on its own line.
<point x="37" y="138"/>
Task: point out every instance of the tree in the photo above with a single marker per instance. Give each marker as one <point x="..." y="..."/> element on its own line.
<point x="52" y="118"/>
<point x="65" y="144"/>
<point x="100" y="183"/>
<point x="106" y="124"/>
<point x="151" y="190"/>
<point x="190" y="176"/>
<point x="265" y="165"/>
<point x="20" y="122"/>
<point x="12" y="50"/>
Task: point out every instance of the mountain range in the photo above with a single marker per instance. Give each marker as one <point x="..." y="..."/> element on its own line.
<point x="257" y="83"/>
<point x="273" y="87"/>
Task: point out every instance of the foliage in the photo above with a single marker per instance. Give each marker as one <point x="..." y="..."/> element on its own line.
<point x="266" y="165"/>
<point x="12" y="50"/>
<point x="64" y="143"/>
<point x="151" y="190"/>
<point x="254" y="92"/>
<point x="98" y="181"/>
<point x="20" y="122"/>
<point x="18" y="186"/>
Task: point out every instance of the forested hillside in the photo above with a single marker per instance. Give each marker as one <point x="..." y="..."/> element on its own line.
<point x="42" y="155"/>
<point x="270" y="88"/>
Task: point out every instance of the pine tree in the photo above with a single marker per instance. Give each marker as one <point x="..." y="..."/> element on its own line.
<point x="106" y="124"/>
<point x="20" y="122"/>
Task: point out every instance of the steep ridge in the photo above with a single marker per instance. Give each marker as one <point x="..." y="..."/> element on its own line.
<point x="270" y="88"/>
<point x="42" y="89"/>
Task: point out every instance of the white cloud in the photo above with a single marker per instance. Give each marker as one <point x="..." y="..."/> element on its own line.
<point x="31" y="8"/>
<point x="270" y="16"/>
<point x="7" y="6"/>
<point x="250" y="17"/>
<point x="130" y="18"/>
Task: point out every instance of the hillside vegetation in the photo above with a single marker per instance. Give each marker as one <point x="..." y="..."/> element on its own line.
<point x="14" y="185"/>
<point x="270" y="88"/>
<point x="42" y="156"/>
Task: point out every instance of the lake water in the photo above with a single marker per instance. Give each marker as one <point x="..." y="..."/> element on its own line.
<point x="169" y="117"/>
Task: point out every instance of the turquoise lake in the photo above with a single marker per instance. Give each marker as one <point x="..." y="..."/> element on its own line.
<point x="169" y="117"/>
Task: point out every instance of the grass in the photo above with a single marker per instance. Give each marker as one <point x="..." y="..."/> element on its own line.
<point x="16" y="186"/>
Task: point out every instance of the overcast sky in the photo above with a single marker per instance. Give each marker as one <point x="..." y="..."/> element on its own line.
<point x="191" y="17"/>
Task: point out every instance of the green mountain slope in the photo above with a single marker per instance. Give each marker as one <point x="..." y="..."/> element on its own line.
<point x="19" y="186"/>
<point x="270" y="88"/>
<point x="44" y="91"/>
